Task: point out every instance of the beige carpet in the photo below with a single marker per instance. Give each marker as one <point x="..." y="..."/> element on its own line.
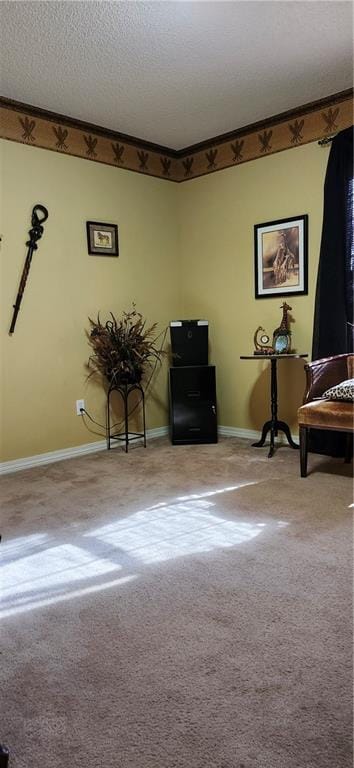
<point x="178" y="607"/>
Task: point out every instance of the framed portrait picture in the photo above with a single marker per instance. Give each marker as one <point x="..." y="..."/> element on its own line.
<point x="280" y="257"/>
<point x="102" y="239"/>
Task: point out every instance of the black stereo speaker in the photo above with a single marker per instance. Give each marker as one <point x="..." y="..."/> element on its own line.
<point x="193" y="404"/>
<point x="189" y="342"/>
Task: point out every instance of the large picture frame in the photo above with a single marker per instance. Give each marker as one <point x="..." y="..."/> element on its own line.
<point x="280" y="257"/>
<point x="102" y="239"/>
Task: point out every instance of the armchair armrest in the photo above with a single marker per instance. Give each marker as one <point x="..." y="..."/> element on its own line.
<point x="324" y="373"/>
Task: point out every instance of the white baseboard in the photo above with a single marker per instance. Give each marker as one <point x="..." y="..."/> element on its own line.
<point x="250" y="434"/>
<point x="7" y="467"/>
<point x="247" y="434"/>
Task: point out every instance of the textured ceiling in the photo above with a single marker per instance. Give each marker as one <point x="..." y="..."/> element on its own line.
<point x="174" y="73"/>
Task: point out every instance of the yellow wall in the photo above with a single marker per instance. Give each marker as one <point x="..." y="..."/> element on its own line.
<point x="185" y="250"/>
<point x="217" y="216"/>
<point x="44" y="361"/>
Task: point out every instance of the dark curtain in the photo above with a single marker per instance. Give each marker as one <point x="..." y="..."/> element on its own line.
<point x="333" y="329"/>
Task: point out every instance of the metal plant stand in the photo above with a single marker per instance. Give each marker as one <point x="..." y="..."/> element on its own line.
<point x="125" y="390"/>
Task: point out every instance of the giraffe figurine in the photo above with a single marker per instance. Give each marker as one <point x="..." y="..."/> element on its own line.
<point x="282" y="334"/>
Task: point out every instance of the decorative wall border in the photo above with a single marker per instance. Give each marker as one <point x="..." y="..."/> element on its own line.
<point x="48" y="130"/>
<point x="291" y="129"/>
<point x="38" y="128"/>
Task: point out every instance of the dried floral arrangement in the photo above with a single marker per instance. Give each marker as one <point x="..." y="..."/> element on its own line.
<point x="124" y="350"/>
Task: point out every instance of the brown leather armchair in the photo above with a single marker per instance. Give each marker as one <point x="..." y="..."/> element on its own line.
<point x="320" y="413"/>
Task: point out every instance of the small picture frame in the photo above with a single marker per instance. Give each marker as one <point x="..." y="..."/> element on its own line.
<point x="280" y="257"/>
<point x="102" y="239"/>
<point x="281" y="343"/>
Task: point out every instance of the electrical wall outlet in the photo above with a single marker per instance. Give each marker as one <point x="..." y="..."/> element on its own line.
<point x="80" y="404"/>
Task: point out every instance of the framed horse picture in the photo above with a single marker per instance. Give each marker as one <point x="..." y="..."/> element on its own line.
<point x="280" y="257"/>
<point x="102" y="239"/>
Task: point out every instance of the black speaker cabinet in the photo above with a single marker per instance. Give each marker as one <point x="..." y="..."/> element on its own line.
<point x="189" y="342"/>
<point x="193" y="404"/>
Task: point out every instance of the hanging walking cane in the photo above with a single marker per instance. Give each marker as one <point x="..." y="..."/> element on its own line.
<point x="35" y="234"/>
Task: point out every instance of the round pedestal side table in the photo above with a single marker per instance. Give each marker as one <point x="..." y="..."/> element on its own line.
<point x="273" y="425"/>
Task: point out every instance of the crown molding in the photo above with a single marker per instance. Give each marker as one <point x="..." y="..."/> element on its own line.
<point x="37" y="127"/>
